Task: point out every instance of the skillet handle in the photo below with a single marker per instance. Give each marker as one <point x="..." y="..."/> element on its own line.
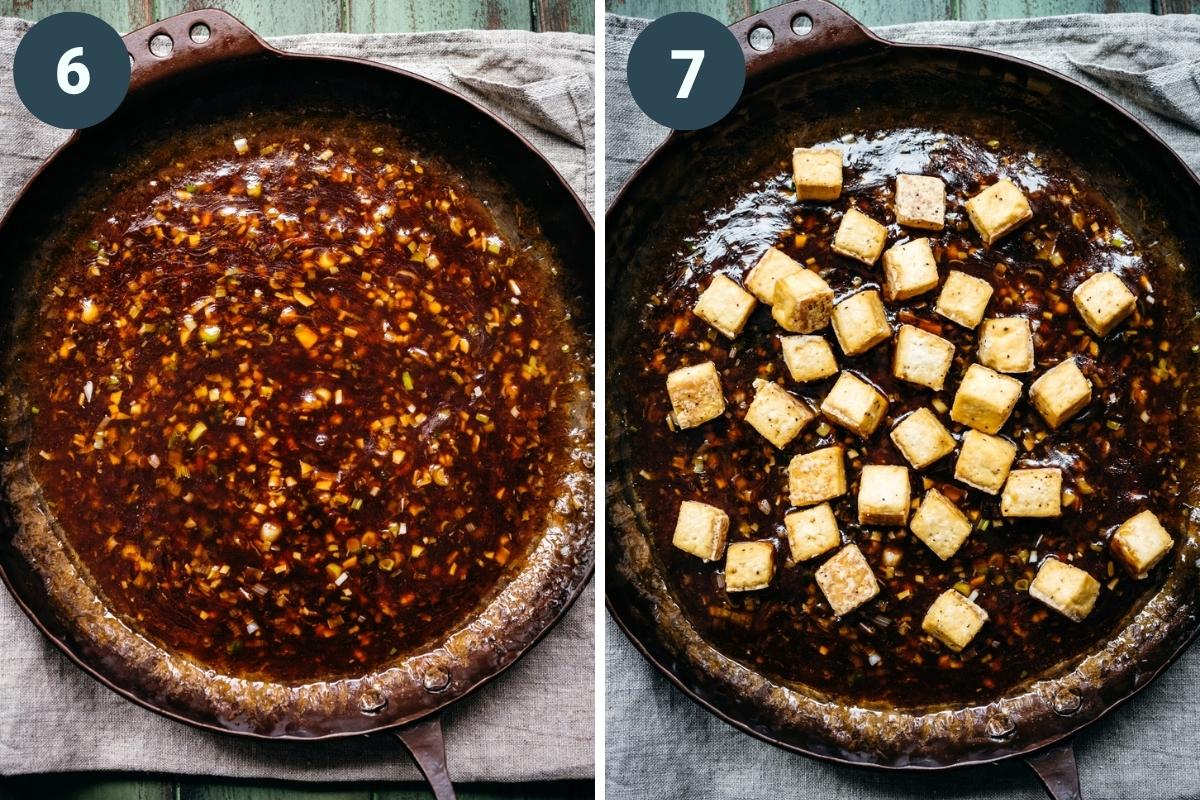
<point x="832" y="30"/>
<point x="1058" y="772"/>
<point x="227" y="38"/>
<point x="427" y="746"/>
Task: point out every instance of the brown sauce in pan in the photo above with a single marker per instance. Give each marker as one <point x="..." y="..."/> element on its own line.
<point x="293" y="399"/>
<point x="1118" y="457"/>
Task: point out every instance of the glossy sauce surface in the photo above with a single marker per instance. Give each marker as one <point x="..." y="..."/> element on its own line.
<point x="293" y="398"/>
<point x="1118" y="456"/>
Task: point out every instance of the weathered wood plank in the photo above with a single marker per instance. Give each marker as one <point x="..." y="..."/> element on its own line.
<point x="725" y="10"/>
<point x="1177" y="7"/>
<point x="124" y="15"/>
<point x="388" y="16"/>
<point x="869" y="12"/>
<point x="85" y="787"/>
<point x="1012" y="9"/>
<point x="268" y="19"/>
<point x="872" y="13"/>
<point x="546" y="790"/>
<point x="244" y="790"/>
<point x="564" y="15"/>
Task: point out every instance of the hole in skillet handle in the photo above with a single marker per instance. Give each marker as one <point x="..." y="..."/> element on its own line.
<point x="802" y="25"/>
<point x="200" y="33"/>
<point x="161" y="45"/>
<point x="762" y="38"/>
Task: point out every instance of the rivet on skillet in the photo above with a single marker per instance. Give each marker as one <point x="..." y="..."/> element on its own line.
<point x="761" y="38"/>
<point x="372" y="701"/>
<point x="802" y="25"/>
<point x="1000" y="726"/>
<point x="161" y="45"/>
<point x="200" y="33"/>
<point x="436" y="679"/>
<point x="1066" y="701"/>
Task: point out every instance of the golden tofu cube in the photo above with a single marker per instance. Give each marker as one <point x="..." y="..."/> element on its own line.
<point x="696" y="395"/>
<point x="860" y="322"/>
<point x="817" y="476"/>
<point x="940" y="525"/>
<point x="773" y="265"/>
<point x="701" y="530"/>
<point x="811" y="532"/>
<point x="920" y="202"/>
<point x="1067" y="589"/>
<point x="998" y="210"/>
<point x="776" y="414"/>
<point x="984" y="461"/>
<point x="749" y="566"/>
<point x="803" y="302"/>
<point x="922" y="438"/>
<point x="953" y="620"/>
<point x="817" y="173"/>
<point x="725" y="305"/>
<point x="808" y="358"/>
<point x="922" y="357"/>
<point x="855" y="404"/>
<point x="884" y="495"/>
<point x="909" y="269"/>
<point x="846" y="580"/>
<point x="1061" y="392"/>
<point x="859" y="237"/>
<point x="985" y="399"/>
<point x="1006" y="344"/>
<point x="964" y="298"/>
<point x="1032" y="493"/>
<point x="1140" y="543"/>
<point x="1104" y="301"/>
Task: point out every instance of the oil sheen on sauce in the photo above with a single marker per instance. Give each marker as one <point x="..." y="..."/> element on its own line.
<point x="293" y="399"/>
<point x="1118" y="457"/>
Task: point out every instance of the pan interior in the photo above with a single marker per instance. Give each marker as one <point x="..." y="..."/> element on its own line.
<point x="720" y="200"/>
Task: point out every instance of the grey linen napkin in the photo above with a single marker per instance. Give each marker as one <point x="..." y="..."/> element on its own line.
<point x="536" y="722"/>
<point x="660" y="744"/>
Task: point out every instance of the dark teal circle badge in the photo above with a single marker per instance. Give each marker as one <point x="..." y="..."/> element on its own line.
<point x="686" y="71"/>
<point x="71" y="70"/>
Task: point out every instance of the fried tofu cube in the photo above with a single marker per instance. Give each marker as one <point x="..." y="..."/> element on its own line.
<point x="953" y="620"/>
<point x="1061" y="392"/>
<point x="725" y="305"/>
<point x="1067" y="589"/>
<point x="998" y="210"/>
<point x="749" y="566"/>
<point x="859" y="237"/>
<point x="883" y="495"/>
<point x="922" y="438"/>
<point x="985" y="399"/>
<point x="1006" y="344"/>
<point x="811" y="532"/>
<point x="940" y="525"/>
<point x="776" y="414"/>
<point x="855" y="404"/>
<point x="964" y="298"/>
<point x="701" y="530"/>
<point x="909" y="269"/>
<point x="1032" y="493"/>
<point x="817" y="173"/>
<point x="984" y="461"/>
<point x="803" y="302"/>
<point x="1140" y="543"/>
<point x="808" y="358"/>
<point x="817" y="476"/>
<point x="773" y="265"/>
<point x="860" y="323"/>
<point x="922" y="357"/>
<point x="846" y="580"/>
<point x="1104" y="301"/>
<point x="920" y="202"/>
<point x="696" y="395"/>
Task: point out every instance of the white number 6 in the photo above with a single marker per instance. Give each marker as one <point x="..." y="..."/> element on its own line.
<point x="697" y="58"/>
<point x="68" y="70"/>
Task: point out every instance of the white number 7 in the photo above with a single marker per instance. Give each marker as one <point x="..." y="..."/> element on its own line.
<point x="697" y="58"/>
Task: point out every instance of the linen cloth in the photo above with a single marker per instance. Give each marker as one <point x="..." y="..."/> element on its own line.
<point x="535" y="722"/>
<point x="660" y="744"/>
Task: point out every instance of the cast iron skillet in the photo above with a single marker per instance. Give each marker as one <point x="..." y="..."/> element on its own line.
<point x="817" y="69"/>
<point x="233" y="72"/>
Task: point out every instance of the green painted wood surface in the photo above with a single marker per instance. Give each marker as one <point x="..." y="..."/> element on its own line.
<point x="564" y="15"/>
<point x="1008" y="9"/>
<point x="885" y="12"/>
<point x="267" y="18"/>
<point x="381" y="16"/>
